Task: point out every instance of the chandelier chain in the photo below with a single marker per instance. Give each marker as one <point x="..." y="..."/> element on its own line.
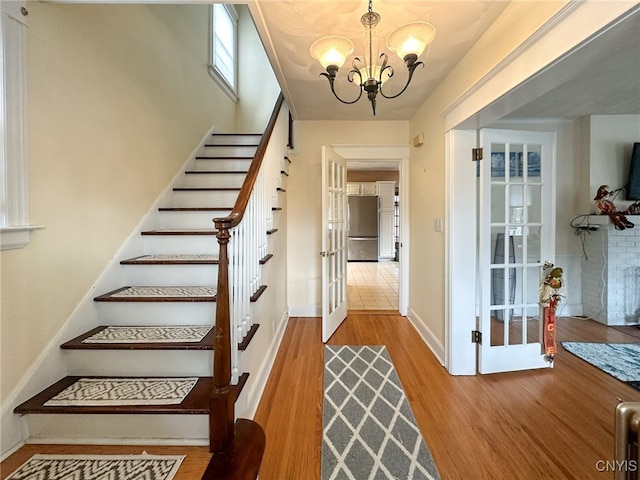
<point x="370" y="6"/>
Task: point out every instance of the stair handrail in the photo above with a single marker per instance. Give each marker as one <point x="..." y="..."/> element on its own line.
<point x="222" y="400"/>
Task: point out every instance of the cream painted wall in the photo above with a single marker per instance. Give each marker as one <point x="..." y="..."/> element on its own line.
<point x="305" y="185"/>
<point x="611" y="139"/>
<point x="119" y="95"/>
<point x="427" y="163"/>
<point x="256" y="79"/>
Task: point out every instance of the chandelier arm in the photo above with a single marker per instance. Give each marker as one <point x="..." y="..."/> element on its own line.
<point x="331" y="76"/>
<point x="411" y="70"/>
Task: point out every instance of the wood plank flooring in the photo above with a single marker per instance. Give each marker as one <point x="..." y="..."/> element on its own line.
<point x="547" y="424"/>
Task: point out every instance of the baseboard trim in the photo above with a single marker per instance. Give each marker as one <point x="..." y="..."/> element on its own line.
<point x="255" y="395"/>
<point x="427" y="335"/>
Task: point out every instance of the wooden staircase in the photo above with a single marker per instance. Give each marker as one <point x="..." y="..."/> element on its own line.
<point x="179" y="278"/>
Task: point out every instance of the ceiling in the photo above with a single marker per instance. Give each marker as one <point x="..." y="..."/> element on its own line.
<point x="289" y="27"/>
<point x="601" y="79"/>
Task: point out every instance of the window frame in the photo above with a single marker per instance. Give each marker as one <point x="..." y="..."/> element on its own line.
<point x="15" y="229"/>
<point x="229" y="87"/>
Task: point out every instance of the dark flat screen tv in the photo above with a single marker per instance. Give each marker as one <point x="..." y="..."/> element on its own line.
<point x="633" y="185"/>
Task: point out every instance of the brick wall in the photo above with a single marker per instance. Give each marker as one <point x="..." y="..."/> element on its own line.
<point x="611" y="276"/>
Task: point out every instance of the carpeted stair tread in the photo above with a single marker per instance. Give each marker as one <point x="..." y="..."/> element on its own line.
<point x="196" y="402"/>
<point x="194" y="209"/>
<point x="206" y="343"/>
<point x="206" y="189"/>
<point x="160" y="294"/>
<point x="181" y="231"/>
<point x="215" y="172"/>
<point x="166" y="294"/>
<point x="186" y="259"/>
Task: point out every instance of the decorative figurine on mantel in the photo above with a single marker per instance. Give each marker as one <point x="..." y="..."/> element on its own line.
<point x="605" y="206"/>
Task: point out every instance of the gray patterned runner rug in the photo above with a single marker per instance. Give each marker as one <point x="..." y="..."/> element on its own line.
<point x="95" y="392"/>
<point x="369" y="430"/>
<point x="98" y="467"/>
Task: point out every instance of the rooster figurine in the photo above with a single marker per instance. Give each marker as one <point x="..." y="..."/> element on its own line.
<point x="605" y="206"/>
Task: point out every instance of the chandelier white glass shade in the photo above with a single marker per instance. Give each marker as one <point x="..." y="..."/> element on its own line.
<point x="408" y="42"/>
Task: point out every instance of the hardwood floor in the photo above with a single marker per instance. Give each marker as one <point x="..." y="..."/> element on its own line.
<point x="547" y="424"/>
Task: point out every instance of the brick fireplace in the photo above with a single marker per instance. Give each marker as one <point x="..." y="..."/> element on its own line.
<point x="611" y="273"/>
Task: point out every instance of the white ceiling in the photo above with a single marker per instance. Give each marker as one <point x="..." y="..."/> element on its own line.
<point x="602" y="78"/>
<point x="289" y="27"/>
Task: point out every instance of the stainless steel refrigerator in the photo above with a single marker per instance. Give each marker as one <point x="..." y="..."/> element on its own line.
<point x="362" y="228"/>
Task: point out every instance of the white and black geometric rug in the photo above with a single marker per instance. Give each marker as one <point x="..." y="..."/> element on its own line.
<point x="98" y="467"/>
<point x="182" y="333"/>
<point x="95" y="392"/>
<point x="369" y="430"/>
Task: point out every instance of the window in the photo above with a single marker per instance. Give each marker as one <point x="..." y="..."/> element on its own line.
<point x="14" y="181"/>
<point x="224" y="48"/>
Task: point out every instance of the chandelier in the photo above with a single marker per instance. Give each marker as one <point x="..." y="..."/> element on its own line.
<point x="408" y="42"/>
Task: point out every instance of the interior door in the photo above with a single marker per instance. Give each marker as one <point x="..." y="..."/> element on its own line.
<point x="334" y="241"/>
<point x="516" y="237"/>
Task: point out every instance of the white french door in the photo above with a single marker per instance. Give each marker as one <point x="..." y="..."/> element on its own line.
<point x="516" y="237"/>
<point x="334" y="241"/>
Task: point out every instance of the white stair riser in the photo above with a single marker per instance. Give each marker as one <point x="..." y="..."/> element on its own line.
<point x="230" y="151"/>
<point x="229" y="165"/>
<point x="234" y="139"/>
<point x="119" y="428"/>
<point x="189" y="220"/>
<point x="140" y="363"/>
<point x="181" y="244"/>
<point x="213" y="180"/>
<point x="204" y="199"/>
<point x="171" y="275"/>
<point x="156" y="313"/>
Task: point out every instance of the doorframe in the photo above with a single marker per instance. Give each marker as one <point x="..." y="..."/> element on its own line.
<point x="399" y="153"/>
<point x="547" y="58"/>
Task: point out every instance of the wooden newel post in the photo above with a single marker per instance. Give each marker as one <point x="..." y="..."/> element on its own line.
<point x="221" y="402"/>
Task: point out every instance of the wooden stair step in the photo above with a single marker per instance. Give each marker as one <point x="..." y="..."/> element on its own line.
<point x="180" y="231"/>
<point x="266" y="258"/>
<point x="166" y="294"/>
<point x="172" y="260"/>
<point x="196" y="402"/>
<point x="159" y="294"/>
<point x="194" y="209"/>
<point x="233" y="145"/>
<point x="206" y="189"/>
<point x="205" y="344"/>
<point x="215" y="172"/>
<point x="223" y="157"/>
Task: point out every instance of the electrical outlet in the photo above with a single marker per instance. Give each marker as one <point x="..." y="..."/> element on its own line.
<point x="437" y="224"/>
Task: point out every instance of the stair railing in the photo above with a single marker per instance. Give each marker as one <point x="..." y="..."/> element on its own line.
<point x="242" y="238"/>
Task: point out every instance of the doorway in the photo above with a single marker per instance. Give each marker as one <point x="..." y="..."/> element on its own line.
<point x="381" y="285"/>
<point x="372" y="286"/>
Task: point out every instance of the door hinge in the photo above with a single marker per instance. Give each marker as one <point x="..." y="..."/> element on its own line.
<point x="476" y="154"/>
<point x="476" y="336"/>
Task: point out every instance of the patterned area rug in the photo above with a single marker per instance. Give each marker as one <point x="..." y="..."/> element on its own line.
<point x="96" y="392"/>
<point x="98" y="467"/>
<point x="621" y="360"/>
<point x="369" y="430"/>
<point x="149" y="334"/>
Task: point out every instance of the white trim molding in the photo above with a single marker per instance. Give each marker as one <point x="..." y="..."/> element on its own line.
<point x="427" y="335"/>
